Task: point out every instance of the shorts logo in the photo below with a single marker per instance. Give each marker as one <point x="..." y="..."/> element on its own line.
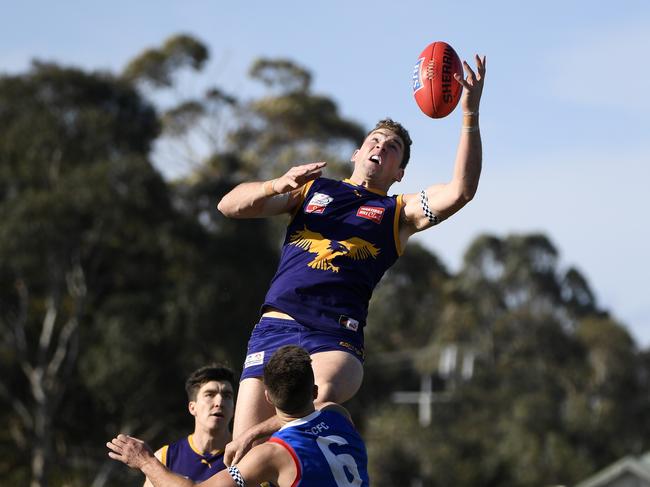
<point x="349" y="323"/>
<point x="256" y="358"/>
<point x="318" y="202"/>
<point x="352" y="348"/>
<point x="417" y="82"/>
<point x="374" y="213"/>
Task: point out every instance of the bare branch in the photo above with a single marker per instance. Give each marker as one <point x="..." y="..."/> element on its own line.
<point x="18" y="406"/>
<point x="21" y="318"/>
<point x="104" y="473"/>
<point x="49" y="321"/>
<point x="61" y="349"/>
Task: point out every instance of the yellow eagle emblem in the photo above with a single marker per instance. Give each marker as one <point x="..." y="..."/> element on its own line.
<point x="326" y="250"/>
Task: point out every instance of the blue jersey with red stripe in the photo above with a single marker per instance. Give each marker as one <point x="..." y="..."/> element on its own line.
<point x="183" y="458"/>
<point x="326" y="449"/>
<point x="341" y="240"/>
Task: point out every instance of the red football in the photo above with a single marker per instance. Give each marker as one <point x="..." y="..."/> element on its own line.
<point x="435" y="90"/>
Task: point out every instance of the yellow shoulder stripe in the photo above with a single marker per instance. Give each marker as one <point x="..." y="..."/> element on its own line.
<point x="398" y="211"/>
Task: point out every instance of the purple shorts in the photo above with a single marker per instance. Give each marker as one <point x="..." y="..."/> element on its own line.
<point x="272" y="333"/>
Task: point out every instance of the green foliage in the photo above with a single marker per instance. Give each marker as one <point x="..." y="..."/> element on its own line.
<point x="54" y="119"/>
<point x="558" y="389"/>
<point x="157" y="66"/>
<point x="115" y="284"/>
<point x="292" y="124"/>
<point x="406" y="295"/>
<point x="283" y="74"/>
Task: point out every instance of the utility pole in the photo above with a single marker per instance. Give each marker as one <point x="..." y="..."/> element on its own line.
<point x="423" y="398"/>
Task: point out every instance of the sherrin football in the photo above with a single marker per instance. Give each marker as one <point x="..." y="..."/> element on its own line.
<point x="435" y="90"/>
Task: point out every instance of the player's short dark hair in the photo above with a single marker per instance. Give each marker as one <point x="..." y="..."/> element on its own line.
<point x="289" y="379"/>
<point x="206" y="374"/>
<point x="399" y="130"/>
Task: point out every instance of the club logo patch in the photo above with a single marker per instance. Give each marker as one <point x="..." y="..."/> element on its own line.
<point x="374" y="213"/>
<point x="318" y="202"/>
<point x="256" y="358"/>
<point x="349" y="323"/>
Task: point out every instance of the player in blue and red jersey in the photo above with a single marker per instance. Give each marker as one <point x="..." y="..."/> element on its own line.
<point x="311" y="449"/>
<point x="210" y="395"/>
<point x="342" y="237"/>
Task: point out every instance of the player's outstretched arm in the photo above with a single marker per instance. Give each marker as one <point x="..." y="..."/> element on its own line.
<point x="268" y="198"/>
<point x="158" y="455"/>
<point x="440" y="201"/>
<point x="136" y="454"/>
<point x="268" y="462"/>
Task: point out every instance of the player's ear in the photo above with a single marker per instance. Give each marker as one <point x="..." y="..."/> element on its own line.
<point x="191" y="407"/>
<point x="268" y="399"/>
<point x="400" y="175"/>
<point x="354" y="154"/>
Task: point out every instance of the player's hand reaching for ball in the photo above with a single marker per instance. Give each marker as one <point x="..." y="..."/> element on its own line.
<point x="297" y="177"/>
<point x="473" y="84"/>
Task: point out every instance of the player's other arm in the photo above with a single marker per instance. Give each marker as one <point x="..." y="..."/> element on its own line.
<point x="443" y="200"/>
<point x="268" y="198"/>
<point x="136" y="454"/>
<point x="158" y="455"/>
<point x="268" y="462"/>
<point x="238" y="447"/>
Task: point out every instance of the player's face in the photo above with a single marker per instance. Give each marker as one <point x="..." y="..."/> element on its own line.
<point x="214" y="405"/>
<point x="380" y="156"/>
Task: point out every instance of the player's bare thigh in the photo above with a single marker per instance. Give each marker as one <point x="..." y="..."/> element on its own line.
<point x="252" y="407"/>
<point x="338" y="375"/>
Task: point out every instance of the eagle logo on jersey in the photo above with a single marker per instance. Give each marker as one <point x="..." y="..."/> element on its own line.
<point x="326" y="250"/>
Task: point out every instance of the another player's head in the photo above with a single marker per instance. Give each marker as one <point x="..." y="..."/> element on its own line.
<point x="289" y="380"/>
<point x="210" y="392"/>
<point x="399" y="130"/>
<point x="206" y="374"/>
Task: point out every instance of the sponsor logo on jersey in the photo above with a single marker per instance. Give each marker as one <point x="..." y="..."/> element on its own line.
<point x="374" y="213"/>
<point x="256" y="358"/>
<point x="318" y="202"/>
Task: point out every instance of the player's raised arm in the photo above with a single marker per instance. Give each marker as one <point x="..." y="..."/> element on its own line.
<point x="438" y="202"/>
<point x="267" y="198"/>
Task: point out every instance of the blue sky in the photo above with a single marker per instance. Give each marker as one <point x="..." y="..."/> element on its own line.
<point x="565" y="115"/>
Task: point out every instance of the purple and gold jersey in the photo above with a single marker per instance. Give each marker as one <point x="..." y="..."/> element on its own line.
<point x="326" y="449"/>
<point x="341" y="240"/>
<point x="183" y="458"/>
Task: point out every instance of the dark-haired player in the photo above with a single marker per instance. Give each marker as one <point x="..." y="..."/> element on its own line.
<point x="210" y="395"/>
<point x="311" y="449"/>
<point x="342" y="237"/>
